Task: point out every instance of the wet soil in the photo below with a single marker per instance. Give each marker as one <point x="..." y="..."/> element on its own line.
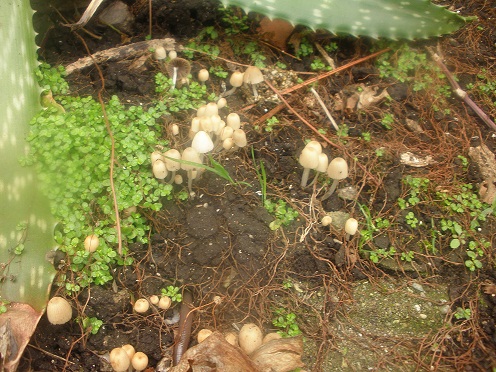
<point x="220" y="243"/>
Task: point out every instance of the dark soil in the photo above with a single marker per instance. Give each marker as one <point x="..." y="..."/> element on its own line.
<point x="220" y="244"/>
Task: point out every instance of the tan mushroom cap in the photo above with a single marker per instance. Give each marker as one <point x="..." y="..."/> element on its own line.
<point x="183" y="68"/>
<point x="253" y="75"/>
<point x="236" y="79"/>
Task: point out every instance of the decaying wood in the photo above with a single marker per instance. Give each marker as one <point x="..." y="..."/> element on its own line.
<point x="123" y="52"/>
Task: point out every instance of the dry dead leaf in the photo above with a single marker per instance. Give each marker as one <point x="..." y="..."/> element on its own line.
<point x="485" y="160"/>
<point x="16" y="328"/>
<point x="214" y="354"/>
<point x="275" y="32"/>
<point x="413" y="160"/>
<point x="281" y="355"/>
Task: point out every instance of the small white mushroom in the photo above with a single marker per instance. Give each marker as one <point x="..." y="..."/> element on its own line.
<point x="91" y="243"/>
<point x="337" y="170"/>
<point x="160" y="53"/>
<point x="253" y="76"/>
<point x="58" y="310"/>
<point x="203" y="76"/>
<point x="350" y="227"/>
<point x="141" y="306"/>
<point x="309" y="159"/>
<point x="236" y="81"/>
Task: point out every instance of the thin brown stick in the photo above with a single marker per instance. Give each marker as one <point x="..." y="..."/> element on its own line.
<point x="112" y="148"/>
<point x="332" y="72"/>
<point x="460" y="93"/>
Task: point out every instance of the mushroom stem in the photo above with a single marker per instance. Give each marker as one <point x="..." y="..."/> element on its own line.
<point x="173" y="174"/>
<point x="331" y="189"/>
<point x="304" y="177"/>
<point x="255" y="92"/>
<point x="190" y="181"/>
<point x="228" y="92"/>
<point x="174" y="78"/>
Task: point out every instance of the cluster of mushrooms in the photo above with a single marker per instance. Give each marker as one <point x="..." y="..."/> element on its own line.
<point x="142" y="305"/>
<point x="249" y="338"/>
<point x="312" y="158"/>
<point x="126" y="358"/>
<point x="209" y="133"/>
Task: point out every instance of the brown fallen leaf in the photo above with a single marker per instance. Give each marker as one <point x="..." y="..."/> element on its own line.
<point x="214" y="354"/>
<point x="16" y="328"/>
<point x="275" y="32"/>
<point x="281" y="355"/>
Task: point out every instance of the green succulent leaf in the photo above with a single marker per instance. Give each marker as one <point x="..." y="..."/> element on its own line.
<point x="393" y="19"/>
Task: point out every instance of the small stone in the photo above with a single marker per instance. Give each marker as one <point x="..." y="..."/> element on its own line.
<point x="423" y="316"/>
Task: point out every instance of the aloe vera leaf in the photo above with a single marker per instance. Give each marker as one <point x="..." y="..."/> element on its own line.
<point x="24" y="213"/>
<point x="393" y="19"/>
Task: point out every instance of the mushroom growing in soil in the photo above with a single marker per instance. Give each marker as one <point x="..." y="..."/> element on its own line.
<point x="309" y="159"/>
<point x="191" y="155"/>
<point x="178" y="69"/>
<point x="253" y="76"/>
<point x="139" y="361"/>
<point x="337" y="170"/>
<point x="141" y="306"/>
<point x="236" y="80"/>
<point x="203" y="76"/>
<point x="172" y="165"/>
<point x="350" y="227"/>
<point x="119" y="360"/>
<point x="59" y="310"/>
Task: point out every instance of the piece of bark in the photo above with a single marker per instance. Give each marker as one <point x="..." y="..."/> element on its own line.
<point x="123" y="52"/>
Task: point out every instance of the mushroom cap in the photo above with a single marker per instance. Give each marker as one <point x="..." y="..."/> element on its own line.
<point x="202" y="142"/>
<point x="326" y="220"/>
<point x="233" y="120"/>
<point x="227" y="132"/>
<point x="91" y="243"/>
<point x="351" y="226"/>
<point x="172" y="165"/>
<point x="323" y="163"/>
<point x="160" y="53"/>
<point x="253" y="75"/>
<point x="190" y="154"/>
<point x="156" y="155"/>
<point x="154" y="299"/>
<point x="119" y="359"/>
<point x="203" y="75"/>
<point x="236" y="79"/>
<point x="309" y="158"/>
<point x="130" y="350"/>
<point x="221" y="103"/>
<point x="316" y="145"/>
<point x="59" y="310"/>
<point x="183" y="68"/>
<point x="159" y="170"/>
<point x="239" y="138"/>
<point x="175" y="129"/>
<point x="165" y="302"/>
<point x="338" y="169"/>
<point x="139" y="361"/>
<point x="211" y="109"/>
<point x="141" y="306"/>
<point x="172" y="54"/>
<point x="228" y="143"/>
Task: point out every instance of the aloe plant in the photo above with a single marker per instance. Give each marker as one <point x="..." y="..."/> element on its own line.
<point x="393" y="19"/>
<point x="26" y="228"/>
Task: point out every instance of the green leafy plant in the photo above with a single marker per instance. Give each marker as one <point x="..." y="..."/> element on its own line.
<point x="462" y="313"/>
<point x="387" y="121"/>
<point x="174" y="293"/>
<point x="271" y="123"/>
<point x="385" y="18"/>
<point x="179" y="99"/>
<point x="91" y="325"/>
<point x="286" y="322"/>
<point x="72" y="154"/>
<point x="284" y="215"/>
<point x="376" y="255"/>
<point x="411" y="220"/>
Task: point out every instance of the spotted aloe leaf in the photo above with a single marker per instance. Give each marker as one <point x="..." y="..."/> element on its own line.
<point x="393" y="19"/>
